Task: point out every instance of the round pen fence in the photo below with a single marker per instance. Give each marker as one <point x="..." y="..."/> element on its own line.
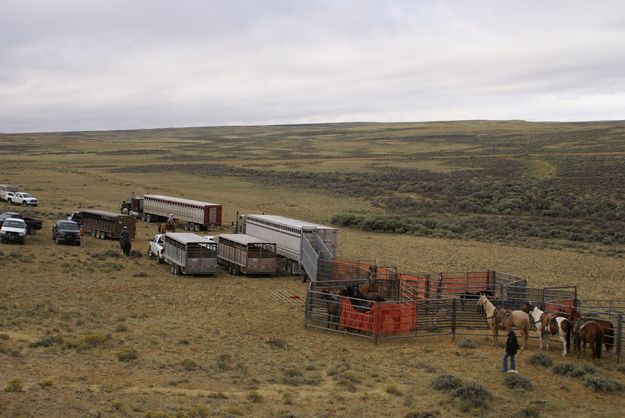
<point x="425" y="304"/>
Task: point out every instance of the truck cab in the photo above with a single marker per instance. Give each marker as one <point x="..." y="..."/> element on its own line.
<point x="13" y="230"/>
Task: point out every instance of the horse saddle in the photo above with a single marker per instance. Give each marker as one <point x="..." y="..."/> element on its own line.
<point x="501" y="315"/>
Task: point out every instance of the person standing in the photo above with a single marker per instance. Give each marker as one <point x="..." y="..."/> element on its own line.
<point x="512" y="346"/>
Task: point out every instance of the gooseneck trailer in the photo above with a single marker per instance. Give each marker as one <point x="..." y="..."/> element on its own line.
<point x="188" y="253"/>
<point x="102" y="224"/>
<point x="241" y="253"/>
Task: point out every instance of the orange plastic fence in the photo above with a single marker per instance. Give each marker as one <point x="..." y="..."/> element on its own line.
<point x="472" y="282"/>
<point x="381" y="319"/>
<point x="412" y="287"/>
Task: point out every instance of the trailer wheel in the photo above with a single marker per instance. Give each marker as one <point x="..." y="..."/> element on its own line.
<point x="143" y="216"/>
<point x="196" y="228"/>
<point x="93" y="233"/>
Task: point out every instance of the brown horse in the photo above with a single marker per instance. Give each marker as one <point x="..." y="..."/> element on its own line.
<point x="588" y="331"/>
<point x="164" y="228"/>
<point x="333" y="306"/>
<point x="606" y="326"/>
<point x="504" y="319"/>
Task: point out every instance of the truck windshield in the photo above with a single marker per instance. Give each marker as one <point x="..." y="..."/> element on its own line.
<point x="26" y="195"/>
<point x="14" y="224"/>
<point x="68" y="226"/>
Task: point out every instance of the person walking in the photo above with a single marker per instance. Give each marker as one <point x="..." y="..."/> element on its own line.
<point x="512" y="346"/>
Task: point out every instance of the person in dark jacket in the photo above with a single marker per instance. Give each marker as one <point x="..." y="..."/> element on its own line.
<point x="512" y="346"/>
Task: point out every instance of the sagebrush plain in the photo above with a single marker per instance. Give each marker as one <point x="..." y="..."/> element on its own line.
<point x="87" y="332"/>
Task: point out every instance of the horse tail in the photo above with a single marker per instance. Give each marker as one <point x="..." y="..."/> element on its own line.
<point x="568" y="334"/>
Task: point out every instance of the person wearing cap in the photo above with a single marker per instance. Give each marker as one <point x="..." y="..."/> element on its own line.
<point x="170" y="220"/>
<point x="124" y="241"/>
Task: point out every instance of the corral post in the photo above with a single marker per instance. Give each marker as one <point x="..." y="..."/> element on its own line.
<point x="619" y="334"/>
<point x="453" y="318"/>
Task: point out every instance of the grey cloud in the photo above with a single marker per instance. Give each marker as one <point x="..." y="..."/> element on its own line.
<point x="117" y="64"/>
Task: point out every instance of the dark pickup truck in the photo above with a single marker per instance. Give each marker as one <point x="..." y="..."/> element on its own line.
<point x="32" y="224"/>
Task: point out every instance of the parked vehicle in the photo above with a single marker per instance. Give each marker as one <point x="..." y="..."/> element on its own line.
<point x="32" y="224"/>
<point x="4" y="188"/>
<point x="288" y="234"/>
<point x="192" y="214"/>
<point x="241" y="253"/>
<point x="21" y="198"/>
<point x="156" y="246"/>
<point x="188" y="253"/>
<point x="102" y="224"/>
<point x="66" y="232"/>
<point x="13" y="230"/>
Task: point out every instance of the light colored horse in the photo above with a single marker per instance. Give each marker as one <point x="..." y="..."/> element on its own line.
<point x="504" y="319"/>
<point x="550" y="324"/>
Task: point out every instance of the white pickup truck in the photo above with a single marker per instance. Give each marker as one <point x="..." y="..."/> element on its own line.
<point x="20" y="198"/>
<point x="156" y="247"/>
<point x="13" y="230"/>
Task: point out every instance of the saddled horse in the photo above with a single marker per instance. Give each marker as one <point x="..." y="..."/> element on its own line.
<point x="125" y="244"/>
<point x="548" y="324"/>
<point x="606" y="326"/>
<point x="589" y="331"/>
<point x="165" y="227"/>
<point x="504" y="319"/>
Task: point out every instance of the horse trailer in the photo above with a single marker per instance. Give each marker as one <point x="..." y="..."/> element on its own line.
<point x="194" y="214"/>
<point x="246" y="254"/>
<point x="288" y="234"/>
<point x="102" y="224"/>
<point x="188" y="253"/>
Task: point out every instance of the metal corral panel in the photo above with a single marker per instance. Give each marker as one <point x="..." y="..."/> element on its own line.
<point x="191" y="252"/>
<point x="188" y="210"/>
<point x="249" y="254"/>
<point x="287" y="233"/>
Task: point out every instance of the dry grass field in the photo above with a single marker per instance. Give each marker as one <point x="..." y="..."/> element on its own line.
<point x="85" y="332"/>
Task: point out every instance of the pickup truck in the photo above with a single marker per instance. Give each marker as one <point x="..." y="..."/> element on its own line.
<point x="156" y="247"/>
<point x="32" y="224"/>
<point x="67" y="232"/>
<point x="21" y="198"/>
<point x="13" y="230"/>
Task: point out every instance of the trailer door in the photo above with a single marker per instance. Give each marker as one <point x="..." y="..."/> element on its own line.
<point x="212" y="215"/>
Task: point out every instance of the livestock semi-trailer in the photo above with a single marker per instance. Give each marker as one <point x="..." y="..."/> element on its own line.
<point x="193" y="214"/>
<point x="188" y="253"/>
<point x="102" y="224"/>
<point x="288" y="234"/>
<point x="241" y="253"/>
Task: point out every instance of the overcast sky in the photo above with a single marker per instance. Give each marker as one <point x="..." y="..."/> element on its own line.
<point x="113" y="64"/>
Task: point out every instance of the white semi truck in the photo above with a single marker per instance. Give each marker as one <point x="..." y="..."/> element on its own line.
<point x="289" y="236"/>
